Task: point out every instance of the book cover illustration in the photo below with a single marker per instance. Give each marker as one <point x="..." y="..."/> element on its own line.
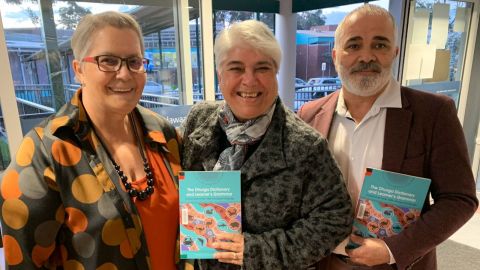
<point x="210" y="203"/>
<point x="389" y="202"/>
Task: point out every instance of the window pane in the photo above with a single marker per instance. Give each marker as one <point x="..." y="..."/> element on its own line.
<point x="223" y="18"/>
<point x="4" y="152"/>
<point x="162" y="84"/>
<point x="436" y="42"/>
<point x="267" y="18"/>
<point x="315" y="71"/>
<point x="41" y="68"/>
<point x="196" y="51"/>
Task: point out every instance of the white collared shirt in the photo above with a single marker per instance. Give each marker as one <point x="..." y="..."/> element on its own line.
<point x="357" y="146"/>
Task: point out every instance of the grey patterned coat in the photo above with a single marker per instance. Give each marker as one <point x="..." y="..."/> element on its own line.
<point x="295" y="207"/>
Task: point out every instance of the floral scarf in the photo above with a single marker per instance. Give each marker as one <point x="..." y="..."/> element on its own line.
<point x="240" y="135"/>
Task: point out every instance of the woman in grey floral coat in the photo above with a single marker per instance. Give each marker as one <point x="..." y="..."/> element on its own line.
<point x="295" y="207"/>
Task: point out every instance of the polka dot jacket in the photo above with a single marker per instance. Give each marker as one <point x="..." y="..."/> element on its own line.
<point x="60" y="200"/>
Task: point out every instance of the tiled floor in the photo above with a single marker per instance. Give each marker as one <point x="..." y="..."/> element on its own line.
<point x="469" y="234"/>
<point x="454" y="256"/>
<point x="462" y="250"/>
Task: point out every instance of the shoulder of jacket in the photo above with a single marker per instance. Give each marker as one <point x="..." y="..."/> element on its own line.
<point x="156" y="122"/>
<point x="308" y="110"/>
<point x="202" y="111"/>
<point x="205" y="107"/>
<point x="299" y="132"/>
<point x="422" y="100"/>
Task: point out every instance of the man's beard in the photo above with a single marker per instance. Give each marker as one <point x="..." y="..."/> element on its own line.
<point x="364" y="86"/>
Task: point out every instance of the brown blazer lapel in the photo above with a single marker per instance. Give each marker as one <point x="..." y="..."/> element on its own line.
<point x="323" y="120"/>
<point x="397" y="130"/>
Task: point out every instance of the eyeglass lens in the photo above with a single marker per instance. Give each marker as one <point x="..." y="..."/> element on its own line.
<point x="114" y="63"/>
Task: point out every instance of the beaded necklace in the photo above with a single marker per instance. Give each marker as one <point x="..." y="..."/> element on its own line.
<point x="132" y="192"/>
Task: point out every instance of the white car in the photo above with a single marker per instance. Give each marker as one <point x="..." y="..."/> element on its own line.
<point x="321" y="87"/>
<point x="320" y="80"/>
<point x="299" y="82"/>
<point x="152" y="87"/>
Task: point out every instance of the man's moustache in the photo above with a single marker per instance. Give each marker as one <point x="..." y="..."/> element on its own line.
<point x="371" y="66"/>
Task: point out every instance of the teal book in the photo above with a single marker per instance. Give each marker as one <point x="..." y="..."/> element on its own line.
<point x="210" y="203"/>
<point x="388" y="203"/>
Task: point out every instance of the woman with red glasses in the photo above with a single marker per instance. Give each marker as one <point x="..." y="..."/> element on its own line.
<point x="94" y="186"/>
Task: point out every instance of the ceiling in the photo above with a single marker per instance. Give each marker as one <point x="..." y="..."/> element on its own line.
<point x="155" y="15"/>
<point x="155" y="18"/>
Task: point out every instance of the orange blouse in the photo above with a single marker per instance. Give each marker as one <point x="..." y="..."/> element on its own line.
<point x="159" y="214"/>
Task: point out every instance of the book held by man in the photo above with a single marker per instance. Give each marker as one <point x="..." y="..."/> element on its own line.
<point x="389" y="202"/>
<point x="210" y="203"/>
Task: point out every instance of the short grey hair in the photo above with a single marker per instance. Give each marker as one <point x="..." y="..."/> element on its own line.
<point x="251" y="33"/>
<point x="90" y="24"/>
<point x="366" y="9"/>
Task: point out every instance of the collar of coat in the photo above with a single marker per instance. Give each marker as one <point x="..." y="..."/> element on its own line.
<point x="397" y="127"/>
<point x="270" y="151"/>
<point x="73" y="116"/>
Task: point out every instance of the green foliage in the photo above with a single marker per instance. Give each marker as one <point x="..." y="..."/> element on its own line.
<point x="307" y="19"/>
<point x="227" y="17"/>
<point x="428" y="4"/>
<point x="4" y="153"/>
<point x="72" y="14"/>
<point x="224" y="16"/>
<point x="33" y="16"/>
<point x="15" y="2"/>
<point x="268" y="19"/>
<point x="69" y="16"/>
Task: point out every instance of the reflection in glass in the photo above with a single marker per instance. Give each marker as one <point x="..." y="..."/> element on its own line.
<point x="4" y="152"/>
<point x="315" y="71"/>
<point x="38" y="41"/>
<point x="436" y="43"/>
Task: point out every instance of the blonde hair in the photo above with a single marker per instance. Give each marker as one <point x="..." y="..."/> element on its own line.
<point x="90" y="24"/>
<point x="250" y="33"/>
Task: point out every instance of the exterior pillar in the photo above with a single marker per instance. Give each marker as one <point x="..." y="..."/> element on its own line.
<point x="285" y="32"/>
<point x="8" y="101"/>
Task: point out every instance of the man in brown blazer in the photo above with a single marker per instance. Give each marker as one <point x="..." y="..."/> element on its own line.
<point x="374" y="122"/>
